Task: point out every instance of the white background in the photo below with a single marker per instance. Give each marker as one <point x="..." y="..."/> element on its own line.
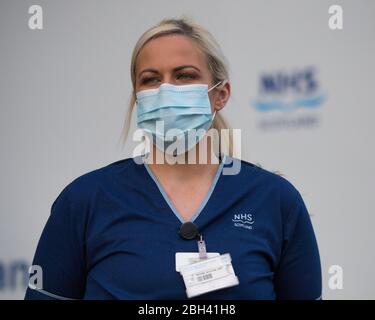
<point x="64" y="91"/>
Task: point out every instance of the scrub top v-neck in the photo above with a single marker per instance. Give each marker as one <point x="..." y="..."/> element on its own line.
<point x="113" y="234"/>
<point x="167" y="199"/>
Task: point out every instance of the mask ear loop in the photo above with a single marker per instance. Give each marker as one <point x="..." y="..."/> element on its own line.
<point x="223" y="82"/>
<point x="213" y="116"/>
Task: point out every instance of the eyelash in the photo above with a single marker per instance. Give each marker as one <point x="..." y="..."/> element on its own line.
<point x="186" y="76"/>
<point x="179" y="76"/>
<point x="147" y="80"/>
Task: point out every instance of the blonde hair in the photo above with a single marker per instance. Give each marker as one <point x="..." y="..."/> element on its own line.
<point x="215" y="60"/>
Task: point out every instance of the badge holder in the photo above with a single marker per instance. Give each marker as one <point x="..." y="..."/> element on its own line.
<point x="203" y="271"/>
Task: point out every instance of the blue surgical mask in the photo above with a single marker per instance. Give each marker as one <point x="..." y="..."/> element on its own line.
<point x="181" y="108"/>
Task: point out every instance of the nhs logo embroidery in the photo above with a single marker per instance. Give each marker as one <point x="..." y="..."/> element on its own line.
<point x="243" y="220"/>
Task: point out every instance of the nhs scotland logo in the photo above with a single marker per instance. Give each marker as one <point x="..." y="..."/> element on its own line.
<point x="243" y="220"/>
<point x="288" y="99"/>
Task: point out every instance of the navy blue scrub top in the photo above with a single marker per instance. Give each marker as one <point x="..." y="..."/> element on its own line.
<point x="113" y="234"/>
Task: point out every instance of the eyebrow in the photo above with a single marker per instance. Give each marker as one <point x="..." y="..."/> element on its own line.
<point x="174" y="70"/>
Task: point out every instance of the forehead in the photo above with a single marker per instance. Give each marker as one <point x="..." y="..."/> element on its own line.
<point x="169" y="51"/>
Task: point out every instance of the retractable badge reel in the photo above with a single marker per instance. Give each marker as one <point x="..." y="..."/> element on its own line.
<point x="203" y="271"/>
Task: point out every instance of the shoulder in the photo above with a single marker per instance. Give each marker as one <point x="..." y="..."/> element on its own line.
<point x="271" y="184"/>
<point x="85" y="187"/>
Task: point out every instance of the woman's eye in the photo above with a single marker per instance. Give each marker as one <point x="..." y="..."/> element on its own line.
<point x="149" y="80"/>
<point x="185" y="76"/>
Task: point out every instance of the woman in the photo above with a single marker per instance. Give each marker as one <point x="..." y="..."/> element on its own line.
<point x="133" y="229"/>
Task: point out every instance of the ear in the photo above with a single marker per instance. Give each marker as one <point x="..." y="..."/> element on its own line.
<point x="222" y="95"/>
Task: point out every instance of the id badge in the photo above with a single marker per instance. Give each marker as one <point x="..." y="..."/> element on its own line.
<point x="206" y="275"/>
<point x="186" y="258"/>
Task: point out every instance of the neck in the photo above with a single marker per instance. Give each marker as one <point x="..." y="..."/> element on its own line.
<point x="190" y="165"/>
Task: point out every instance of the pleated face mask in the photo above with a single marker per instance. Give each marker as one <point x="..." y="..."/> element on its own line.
<point x="170" y="114"/>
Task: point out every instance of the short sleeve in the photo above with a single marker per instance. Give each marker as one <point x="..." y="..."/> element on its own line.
<point x="298" y="275"/>
<point x="61" y="253"/>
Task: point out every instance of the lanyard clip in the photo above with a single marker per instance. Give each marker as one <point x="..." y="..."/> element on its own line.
<point x="202" y="247"/>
